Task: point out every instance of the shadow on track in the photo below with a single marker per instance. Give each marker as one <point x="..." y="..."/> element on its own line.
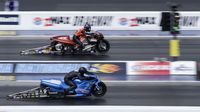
<point x="68" y="56"/>
<point x="60" y="101"/>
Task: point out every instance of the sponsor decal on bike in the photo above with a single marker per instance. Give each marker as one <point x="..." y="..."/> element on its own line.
<point x="55" y="81"/>
<point x="83" y="90"/>
<point x="148" y="68"/>
<point x="137" y="21"/>
<point x="9" y="19"/>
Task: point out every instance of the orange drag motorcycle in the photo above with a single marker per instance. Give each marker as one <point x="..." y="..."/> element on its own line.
<point x="95" y="43"/>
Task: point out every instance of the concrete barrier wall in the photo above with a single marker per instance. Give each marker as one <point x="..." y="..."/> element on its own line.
<point x="107" y="70"/>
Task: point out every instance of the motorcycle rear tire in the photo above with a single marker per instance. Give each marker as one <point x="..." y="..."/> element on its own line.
<point x="53" y="44"/>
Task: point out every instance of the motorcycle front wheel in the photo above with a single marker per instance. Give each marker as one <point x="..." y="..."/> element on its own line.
<point x="100" y="91"/>
<point x="103" y="46"/>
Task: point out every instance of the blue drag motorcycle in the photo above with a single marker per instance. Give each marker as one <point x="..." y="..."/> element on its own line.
<point x="57" y="87"/>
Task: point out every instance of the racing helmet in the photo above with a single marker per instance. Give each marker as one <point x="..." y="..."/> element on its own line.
<point x="82" y="70"/>
<point x="87" y="27"/>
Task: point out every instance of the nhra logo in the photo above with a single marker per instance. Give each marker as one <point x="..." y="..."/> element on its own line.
<point x="51" y="21"/>
<point x="137" y="21"/>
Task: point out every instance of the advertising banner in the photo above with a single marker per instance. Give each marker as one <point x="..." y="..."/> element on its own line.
<point x="183" y="68"/>
<point x="148" y="68"/>
<point x="47" y="68"/>
<point x="6" y="68"/>
<point x="74" y="20"/>
<point x="9" y="19"/>
<point x="102" y="68"/>
<point x="140" y="20"/>
<point x="190" y="20"/>
<point x="37" y="71"/>
<point x="105" y="20"/>
<point x="66" y="20"/>
<point x="108" y="68"/>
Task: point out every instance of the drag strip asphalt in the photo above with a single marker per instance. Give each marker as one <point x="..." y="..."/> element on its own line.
<point x="121" y="49"/>
<point x="144" y="95"/>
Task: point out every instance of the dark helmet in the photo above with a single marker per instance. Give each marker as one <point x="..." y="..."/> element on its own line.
<point x="82" y="70"/>
<point x="87" y="27"/>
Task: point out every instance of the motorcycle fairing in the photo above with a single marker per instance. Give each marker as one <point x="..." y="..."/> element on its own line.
<point x="56" y="85"/>
<point x="64" y="39"/>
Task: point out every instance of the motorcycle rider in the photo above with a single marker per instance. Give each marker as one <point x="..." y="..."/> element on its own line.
<point x="81" y="33"/>
<point x="68" y="79"/>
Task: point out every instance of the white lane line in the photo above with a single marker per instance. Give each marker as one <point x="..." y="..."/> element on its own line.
<point x="125" y="81"/>
<point x="99" y="108"/>
<point x="47" y="61"/>
<point x="108" y="36"/>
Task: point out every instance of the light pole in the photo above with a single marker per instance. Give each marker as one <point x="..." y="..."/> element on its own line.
<point x="174" y="30"/>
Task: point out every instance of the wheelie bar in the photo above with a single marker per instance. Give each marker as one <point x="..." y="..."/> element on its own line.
<point x="39" y="50"/>
<point x="28" y="94"/>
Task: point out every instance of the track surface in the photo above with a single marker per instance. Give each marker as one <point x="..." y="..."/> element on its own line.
<point x="143" y="49"/>
<point x="119" y="95"/>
